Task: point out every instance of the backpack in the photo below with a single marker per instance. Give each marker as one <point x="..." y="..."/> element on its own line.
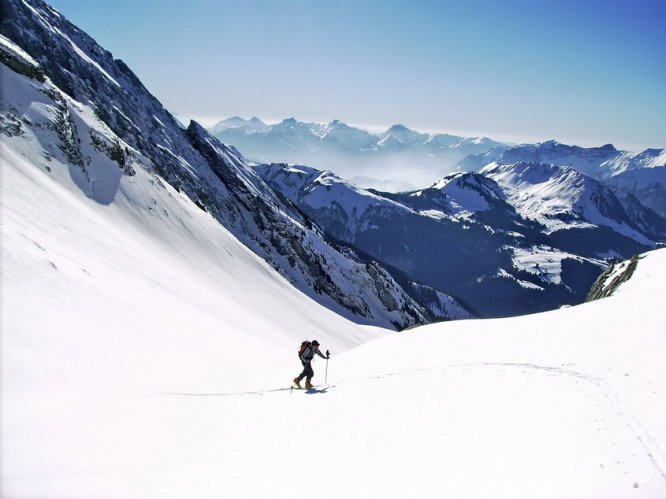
<point x="304" y="346"/>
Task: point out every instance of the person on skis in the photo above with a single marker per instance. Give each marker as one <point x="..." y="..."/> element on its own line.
<point x="306" y="354"/>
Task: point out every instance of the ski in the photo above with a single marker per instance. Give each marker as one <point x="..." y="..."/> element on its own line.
<point x="313" y="388"/>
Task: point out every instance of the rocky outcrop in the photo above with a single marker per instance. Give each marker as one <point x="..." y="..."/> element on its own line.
<point x="612" y="278"/>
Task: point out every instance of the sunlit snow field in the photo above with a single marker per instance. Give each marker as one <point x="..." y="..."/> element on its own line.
<point x="150" y="355"/>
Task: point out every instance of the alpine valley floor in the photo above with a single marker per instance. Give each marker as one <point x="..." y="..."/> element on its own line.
<point x="146" y="357"/>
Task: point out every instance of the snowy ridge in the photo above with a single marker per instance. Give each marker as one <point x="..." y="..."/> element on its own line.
<point x="561" y="198"/>
<point x="238" y="122"/>
<point x="468" y="192"/>
<point x="553" y="152"/>
<point x="343" y="135"/>
<point x="16" y="51"/>
<point x="543" y="192"/>
<point x="503" y="274"/>
<point x="599" y="162"/>
<point x="322" y="190"/>
<point x="650" y="158"/>
<point x="647" y="184"/>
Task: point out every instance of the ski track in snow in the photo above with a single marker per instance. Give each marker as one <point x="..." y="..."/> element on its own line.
<point x="647" y="442"/>
<point x="644" y="438"/>
<point x="315" y="389"/>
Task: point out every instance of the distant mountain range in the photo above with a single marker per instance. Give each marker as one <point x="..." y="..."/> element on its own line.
<point x="406" y="158"/>
<point x="642" y="174"/>
<point x="401" y="159"/>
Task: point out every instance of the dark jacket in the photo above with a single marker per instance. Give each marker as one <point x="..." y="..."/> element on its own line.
<point x="309" y="353"/>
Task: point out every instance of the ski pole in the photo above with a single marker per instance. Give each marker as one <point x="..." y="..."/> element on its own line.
<point x="326" y="376"/>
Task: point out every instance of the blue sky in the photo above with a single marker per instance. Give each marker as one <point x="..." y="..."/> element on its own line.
<point x="585" y="72"/>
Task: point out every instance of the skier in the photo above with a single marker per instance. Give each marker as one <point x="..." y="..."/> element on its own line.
<point x="306" y="354"/>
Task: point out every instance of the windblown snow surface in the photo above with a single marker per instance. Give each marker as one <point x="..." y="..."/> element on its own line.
<point x="147" y="353"/>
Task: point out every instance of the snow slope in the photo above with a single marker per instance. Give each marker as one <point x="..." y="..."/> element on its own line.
<point x="142" y="358"/>
<point x="150" y="262"/>
<point x="105" y="303"/>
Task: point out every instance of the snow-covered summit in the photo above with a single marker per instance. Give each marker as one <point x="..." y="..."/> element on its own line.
<point x="561" y="198"/>
<point x="470" y="191"/>
<point x="344" y="136"/>
<point x="403" y="135"/>
<point x="253" y="123"/>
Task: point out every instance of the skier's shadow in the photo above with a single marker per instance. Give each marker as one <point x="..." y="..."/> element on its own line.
<point x="312" y="391"/>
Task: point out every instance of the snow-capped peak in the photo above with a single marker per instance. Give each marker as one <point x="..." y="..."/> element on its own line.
<point x="401" y="134"/>
<point x="469" y="192"/>
<point x="253" y="124"/>
<point x="562" y="198"/>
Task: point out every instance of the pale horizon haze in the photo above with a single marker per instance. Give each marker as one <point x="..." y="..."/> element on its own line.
<point x="585" y="73"/>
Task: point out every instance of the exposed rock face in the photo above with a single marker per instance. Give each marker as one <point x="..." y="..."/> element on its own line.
<point x="611" y="279"/>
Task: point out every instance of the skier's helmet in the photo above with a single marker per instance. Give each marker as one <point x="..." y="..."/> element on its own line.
<point x="315" y="343"/>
